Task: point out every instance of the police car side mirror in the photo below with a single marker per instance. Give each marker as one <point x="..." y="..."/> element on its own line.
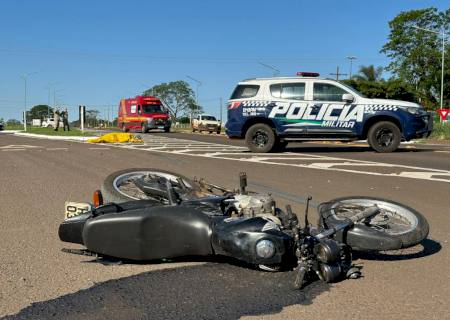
<point x="347" y="97"/>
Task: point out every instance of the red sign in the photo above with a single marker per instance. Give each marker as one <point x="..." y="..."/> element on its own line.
<point x="444" y="113"/>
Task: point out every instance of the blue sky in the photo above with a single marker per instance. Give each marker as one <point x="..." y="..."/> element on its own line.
<point x="97" y="52"/>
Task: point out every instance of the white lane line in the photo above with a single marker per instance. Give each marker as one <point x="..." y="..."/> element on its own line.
<point x="98" y="148"/>
<point x="235" y="153"/>
<point x="56" y="149"/>
<point x="14" y="149"/>
<point x="19" y="146"/>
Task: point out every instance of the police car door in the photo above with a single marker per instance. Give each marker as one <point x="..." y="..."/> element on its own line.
<point x="328" y="113"/>
<point x="289" y="107"/>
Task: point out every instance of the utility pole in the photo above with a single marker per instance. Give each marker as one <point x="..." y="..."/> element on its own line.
<point x="220" y="110"/>
<point x="198" y="84"/>
<point x="351" y="58"/>
<point x="25" y="78"/>
<point x="337" y="74"/>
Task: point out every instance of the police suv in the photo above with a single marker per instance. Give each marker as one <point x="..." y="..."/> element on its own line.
<point x="270" y="112"/>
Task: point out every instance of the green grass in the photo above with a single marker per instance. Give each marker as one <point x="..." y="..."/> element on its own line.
<point x="60" y="132"/>
<point x="17" y="127"/>
<point x="441" y="131"/>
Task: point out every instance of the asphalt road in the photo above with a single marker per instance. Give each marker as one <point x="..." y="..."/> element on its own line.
<point x="38" y="281"/>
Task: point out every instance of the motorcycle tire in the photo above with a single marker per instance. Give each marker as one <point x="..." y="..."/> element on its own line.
<point x="112" y="191"/>
<point x="396" y="226"/>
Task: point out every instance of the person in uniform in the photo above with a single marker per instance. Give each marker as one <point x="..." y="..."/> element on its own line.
<point x="65" y="120"/>
<point x="56" y="117"/>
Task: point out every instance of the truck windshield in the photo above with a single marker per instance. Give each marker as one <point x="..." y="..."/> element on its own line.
<point x="211" y="118"/>
<point x="153" y="108"/>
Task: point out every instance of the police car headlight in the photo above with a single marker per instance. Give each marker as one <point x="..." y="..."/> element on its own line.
<point x="265" y="249"/>
<point x="415" y="111"/>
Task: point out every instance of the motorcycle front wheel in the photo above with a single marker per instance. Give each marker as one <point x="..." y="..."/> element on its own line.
<point x="396" y="226"/>
<point x="121" y="186"/>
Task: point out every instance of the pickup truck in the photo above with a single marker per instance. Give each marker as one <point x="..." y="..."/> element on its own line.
<point x="205" y="122"/>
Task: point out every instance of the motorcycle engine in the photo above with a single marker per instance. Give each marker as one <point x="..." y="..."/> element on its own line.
<point x="254" y="205"/>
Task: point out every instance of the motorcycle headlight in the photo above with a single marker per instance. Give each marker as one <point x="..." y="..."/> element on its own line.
<point x="328" y="251"/>
<point x="265" y="249"/>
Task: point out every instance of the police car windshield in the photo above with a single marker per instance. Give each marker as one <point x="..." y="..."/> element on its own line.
<point x="352" y="89"/>
<point x="152" y="108"/>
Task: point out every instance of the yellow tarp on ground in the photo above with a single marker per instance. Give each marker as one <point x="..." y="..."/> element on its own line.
<point x="117" y="138"/>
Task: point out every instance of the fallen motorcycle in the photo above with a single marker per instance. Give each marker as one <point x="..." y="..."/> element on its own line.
<point x="151" y="214"/>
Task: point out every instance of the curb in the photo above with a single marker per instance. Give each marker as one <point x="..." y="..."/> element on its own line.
<point x="43" y="136"/>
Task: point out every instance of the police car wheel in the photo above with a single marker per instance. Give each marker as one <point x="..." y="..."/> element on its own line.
<point x="384" y="137"/>
<point x="260" y="138"/>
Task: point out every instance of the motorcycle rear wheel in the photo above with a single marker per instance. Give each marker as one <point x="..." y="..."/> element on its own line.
<point x="396" y="226"/>
<point x="119" y="186"/>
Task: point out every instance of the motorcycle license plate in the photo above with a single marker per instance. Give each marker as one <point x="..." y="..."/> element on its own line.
<point x="73" y="209"/>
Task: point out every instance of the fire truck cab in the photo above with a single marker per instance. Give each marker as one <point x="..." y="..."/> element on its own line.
<point x="143" y="113"/>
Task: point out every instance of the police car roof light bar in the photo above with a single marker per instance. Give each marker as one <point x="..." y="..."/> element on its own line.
<point x="308" y="74"/>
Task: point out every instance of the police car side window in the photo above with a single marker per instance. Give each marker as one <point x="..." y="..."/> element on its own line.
<point x="295" y="91"/>
<point x="327" y="92"/>
<point x="245" y="91"/>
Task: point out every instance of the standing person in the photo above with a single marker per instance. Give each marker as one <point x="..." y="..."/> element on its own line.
<point x="66" y="120"/>
<point x="56" y="117"/>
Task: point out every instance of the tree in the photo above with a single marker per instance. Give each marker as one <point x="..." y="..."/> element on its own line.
<point x="92" y="117"/>
<point x="416" y="54"/>
<point x="369" y="73"/>
<point x="177" y="95"/>
<point x="390" y="89"/>
<point x="13" y="122"/>
<point x="39" y="111"/>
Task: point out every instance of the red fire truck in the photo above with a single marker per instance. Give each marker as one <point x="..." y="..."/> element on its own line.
<point x="143" y="113"/>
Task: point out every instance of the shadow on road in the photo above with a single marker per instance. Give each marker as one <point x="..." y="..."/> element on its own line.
<point x="208" y="291"/>
<point x="426" y="248"/>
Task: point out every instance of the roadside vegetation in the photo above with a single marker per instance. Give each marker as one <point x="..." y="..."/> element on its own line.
<point x="441" y="131"/>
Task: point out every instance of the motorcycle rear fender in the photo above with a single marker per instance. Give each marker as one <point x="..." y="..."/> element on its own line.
<point x="150" y="233"/>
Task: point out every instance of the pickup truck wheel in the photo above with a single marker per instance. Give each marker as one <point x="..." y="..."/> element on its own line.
<point x="260" y="138"/>
<point x="167" y="129"/>
<point x="384" y="136"/>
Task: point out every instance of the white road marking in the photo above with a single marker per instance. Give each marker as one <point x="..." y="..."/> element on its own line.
<point x="300" y="160"/>
<point x="99" y="148"/>
<point x="55" y="149"/>
<point x="19" y="146"/>
<point x="15" y="149"/>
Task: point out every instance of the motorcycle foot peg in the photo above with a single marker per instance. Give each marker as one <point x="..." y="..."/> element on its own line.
<point x="354" y="273"/>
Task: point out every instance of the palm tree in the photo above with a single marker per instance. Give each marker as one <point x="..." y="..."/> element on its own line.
<point x="369" y="73"/>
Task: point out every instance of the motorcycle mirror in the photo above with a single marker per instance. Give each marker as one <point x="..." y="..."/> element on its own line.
<point x="306" y="211"/>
